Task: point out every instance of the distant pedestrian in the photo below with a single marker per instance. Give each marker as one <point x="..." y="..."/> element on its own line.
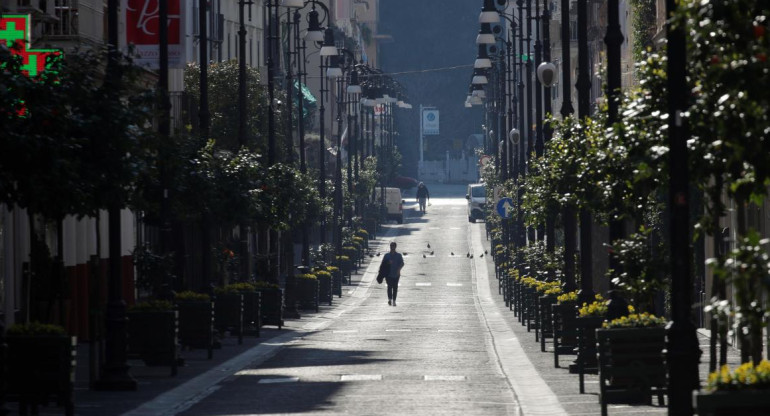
<point x="395" y="263"/>
<point x="422" y="196"/>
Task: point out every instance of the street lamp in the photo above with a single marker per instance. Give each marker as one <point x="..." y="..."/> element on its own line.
<point x="489" y="12"/>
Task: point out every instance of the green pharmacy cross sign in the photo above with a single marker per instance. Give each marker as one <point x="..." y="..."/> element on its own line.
<point x="15" y="33"/>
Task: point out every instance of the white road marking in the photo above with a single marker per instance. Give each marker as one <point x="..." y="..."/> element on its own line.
<point x="422" y="284"/>
<point x="454" y="284"/>
<point x="451" y="330"/>
<point x="398" y="330"/>
<point x="278" y="380"/>
<point x="444" y="378"/>
<point x="361" y="377"/>
<point x="345" y="331"/>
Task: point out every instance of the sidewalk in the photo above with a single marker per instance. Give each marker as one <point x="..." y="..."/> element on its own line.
<point x="565" y="385"/>
<point x="158" y="391"/>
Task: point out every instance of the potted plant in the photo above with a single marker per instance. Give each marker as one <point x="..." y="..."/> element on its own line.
<point x="351" y="252"/>
<point x="152" y="333"/>
<point x="271" y="303"/>
<point x="550" y="293"/>
<point x="590" y="318"/>
<point x="228" y="311"/>
<point x="741" y="392"/>
<point x="324" y="285"/>
<point x="564" y="313"/>
<point x="631" y="359"/>
<point x="336" y="280"/>
<point x="252" y="316"/>
<point x="307" y="291"/>
<point x="345" y="266"/>
<point x="196" y="320"/>
<point x="41" y="366"/>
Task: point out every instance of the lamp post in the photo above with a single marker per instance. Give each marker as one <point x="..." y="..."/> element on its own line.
<point x="327" y="49"/>
<point x="114" y="374"/>
<point x="569" y="213"/>
<point x="546" y="74"/>
<point x="682" y="342"/>
<point x="583" y="85"/>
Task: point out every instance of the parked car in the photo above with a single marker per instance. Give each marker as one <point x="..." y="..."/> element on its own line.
<point x="477" y="200"/>
<point x="394" y="205"/>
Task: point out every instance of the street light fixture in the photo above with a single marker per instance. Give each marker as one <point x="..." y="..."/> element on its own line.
<point x="479" y="77"/>
<point x="485" y="36"/>
<point x="482" y="59"/>
<point x="329" y="48"/>
<point x="546" y="73"/>
<point x="315" y="33"/>
<point x="514" y="136"/>
<point x="489" y="12"/>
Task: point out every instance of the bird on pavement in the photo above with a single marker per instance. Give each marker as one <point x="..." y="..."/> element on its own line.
<point x="404" y="254"/>
<point x="428" y="245"/>
<point x="468" y="254"/>
<point x="378" y="254"/>
<point x="423" y="256"/>
<point x="481" y="255"/>
<point x="371" y="255"/>
<point x="452" y="253"/>
<point x="486" y="251"/>
<point x="431" y="253"/>
<point x="471" y="255"/>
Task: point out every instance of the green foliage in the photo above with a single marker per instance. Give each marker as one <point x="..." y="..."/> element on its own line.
<point x="84" y="139"/>
<point x="644" y="15"/>
<point x="643" y="262"/>
<point x="35" y="329"/>
<point x="388" y="164"/>
<point x="261" y="284"/>
<point x="152" y="306"/>
<point x="153" y="270"/>
<point x="191" y="296"/>
<point x="747" y="269"/>
<point x="308" y="276"/>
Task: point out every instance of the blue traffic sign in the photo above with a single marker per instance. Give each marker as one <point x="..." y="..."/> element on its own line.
<point x="505" y="208"/>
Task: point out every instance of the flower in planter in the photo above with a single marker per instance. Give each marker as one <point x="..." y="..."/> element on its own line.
<point x="191" y="296"/>
<point x="332" y="269"/>
<point x="597" y="308"/>
<point x="342" y="258"/>
<point x="322" y="273"/>
<point x="34" y="329"/>
<point x="746" y="376"/>
<point x="152" y="306"/>
<point x="568" y="297"/>
<point x="636" y="320"/>
<point x="265" y="285"/>
<point x="309" y="276"/>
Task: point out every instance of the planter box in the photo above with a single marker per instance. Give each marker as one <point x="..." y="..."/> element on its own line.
<point x="41" y="369"/>
<point x="271" y="303"/>
<point x="586" y="362"/>
<point x="325" y="289"/>
<point x="632" y="365"/>
<point x="337" y="284"/>
<point x="196" y="325"/>
<point x="346" y="269"/>
<point x="252" y="312"/>
<point x="152" y="337"/>
<point x="732" y="403"/>
<point x="228" y="314"/>
<point x="307" y="294"/>
<point x="545" y="314"/>
<point x="564" y="330"/>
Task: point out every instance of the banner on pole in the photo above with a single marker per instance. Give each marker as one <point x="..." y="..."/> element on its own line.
<point x="142" y="18"/>
<point x="430" y="122"/>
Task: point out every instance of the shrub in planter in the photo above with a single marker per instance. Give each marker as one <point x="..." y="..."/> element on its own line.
<point x="324" y="286"/>
<point x="740" y="392"/>
<point x="228" y="312"/>
<point x="271" y="303"/>
<point x="153" y="333"/>
<point x="336" y="280"/>
<point x="351" y="252"/>
<point x="252" y="315"/>
<point x="40" y="366"/>
<point x="196" y="320"/>
<point x="307" y="291"/>
<point x="345" y="265"/>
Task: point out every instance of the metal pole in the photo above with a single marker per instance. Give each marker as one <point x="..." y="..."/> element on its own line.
<point x="613" y="39"/>
<point x="584" y="100"/>
<point x="114" y="374"/>
<point x="682" y="342"/>
<point x="569" y="214"/>
<point x="322" y="152"/>
<point x="550" y="229"/>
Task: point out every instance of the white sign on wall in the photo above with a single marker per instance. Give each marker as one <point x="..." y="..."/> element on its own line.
<point x="430" y="122"/>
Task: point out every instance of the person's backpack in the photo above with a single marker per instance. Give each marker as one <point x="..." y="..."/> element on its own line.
<point x="384" y="270"/>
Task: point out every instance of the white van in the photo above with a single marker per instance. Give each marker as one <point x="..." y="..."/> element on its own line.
<point x="394" y="205"/>
<point x="477" y="200"/>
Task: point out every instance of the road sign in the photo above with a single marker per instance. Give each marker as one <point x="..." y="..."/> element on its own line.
<point x="504" y="207"/>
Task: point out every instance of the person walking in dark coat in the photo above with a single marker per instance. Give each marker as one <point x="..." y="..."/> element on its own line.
<point x="396" y="263"/>
<point x="422" y="196"/>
